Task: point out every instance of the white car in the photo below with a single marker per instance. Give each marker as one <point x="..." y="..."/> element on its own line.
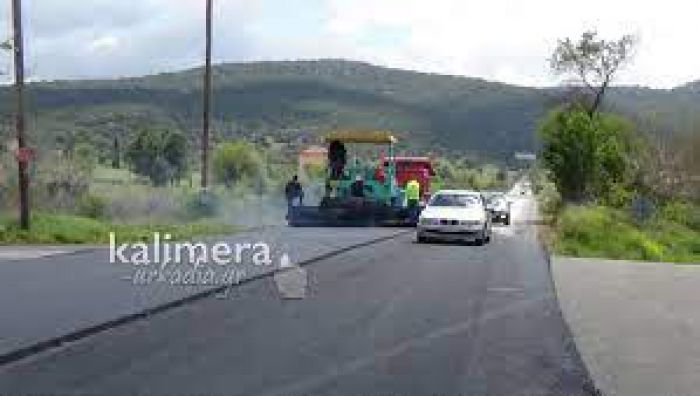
<point x="455" y="215"/>
<point x="499" y="207"/>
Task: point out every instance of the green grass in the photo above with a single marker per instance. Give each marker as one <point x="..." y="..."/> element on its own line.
<point x="103" y="175"/>
<point x="67" y="229"/>
<point x="595" y="231"/>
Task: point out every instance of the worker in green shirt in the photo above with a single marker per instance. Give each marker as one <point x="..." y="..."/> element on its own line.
<point x="412" y="199"/>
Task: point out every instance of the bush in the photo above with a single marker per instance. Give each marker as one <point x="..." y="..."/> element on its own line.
<point x="588" y="156"/>
<point x="160" y="155"/>
<point x="203" y="205"/>
<point x="617" y="196"/>
<point x="685" y="213"/>
<point x="549" y="200"/>
<point x="93" y="207"/>
<point x="236" y="161"/>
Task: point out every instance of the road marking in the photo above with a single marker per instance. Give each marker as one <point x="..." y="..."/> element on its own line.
<point x="505" y="289"/>
<point x="29" y="254"/>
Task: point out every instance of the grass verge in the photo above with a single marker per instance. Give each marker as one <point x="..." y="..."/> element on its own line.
<point x="596" y="231"/>
<point x="67" y="229"/>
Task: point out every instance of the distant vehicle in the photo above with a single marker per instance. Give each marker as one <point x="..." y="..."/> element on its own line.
<point x="455" y="215"/>
<point x="499" y="208"/>
<point x="415" y="168"/>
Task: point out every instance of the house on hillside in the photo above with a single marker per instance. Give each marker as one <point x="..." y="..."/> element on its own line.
<point x="313" y="155"/>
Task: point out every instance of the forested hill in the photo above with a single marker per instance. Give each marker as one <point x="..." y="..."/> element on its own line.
<point x="284" y="98"/>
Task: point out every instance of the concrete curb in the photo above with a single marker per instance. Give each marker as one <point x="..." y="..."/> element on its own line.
<point x="590" y="387"/>
<point x="57" y="342"/>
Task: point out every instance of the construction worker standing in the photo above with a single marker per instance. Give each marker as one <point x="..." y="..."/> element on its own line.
<point x="412" y="198"/>
<point x="293" y="190"/>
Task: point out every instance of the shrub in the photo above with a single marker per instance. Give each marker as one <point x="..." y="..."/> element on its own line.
<point x="549" y="200"/>
<point x="236" y="161"/>
<point x="161" y="155"/>
<point x="587" y="155"/>
<point x="617" y="196"/>
<point x="202" y="205"/>
<point x="685" y="213"/>
<point x="93" y="207"/>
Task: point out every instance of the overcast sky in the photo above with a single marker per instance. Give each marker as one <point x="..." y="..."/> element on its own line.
<point x="503" y="40"/>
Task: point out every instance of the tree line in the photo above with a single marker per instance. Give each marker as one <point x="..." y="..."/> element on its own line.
<point x="603" y="157"/>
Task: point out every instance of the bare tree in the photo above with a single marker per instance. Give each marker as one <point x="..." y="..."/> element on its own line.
<point x="592" y="63"/>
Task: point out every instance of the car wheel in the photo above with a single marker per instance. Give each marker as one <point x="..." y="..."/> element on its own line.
<point x="479" y="241"/>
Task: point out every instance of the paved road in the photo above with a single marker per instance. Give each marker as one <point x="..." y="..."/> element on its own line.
<point x="45" y="297"/>
<point x="393" y="318"/>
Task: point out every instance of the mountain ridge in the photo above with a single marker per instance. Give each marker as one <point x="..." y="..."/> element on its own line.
<point x="431" y="111"/>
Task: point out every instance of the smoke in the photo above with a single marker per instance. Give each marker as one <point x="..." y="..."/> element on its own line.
<point x="253" y="210"/>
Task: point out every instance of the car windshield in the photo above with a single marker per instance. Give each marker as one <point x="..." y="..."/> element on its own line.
<point x="459" y="200"/>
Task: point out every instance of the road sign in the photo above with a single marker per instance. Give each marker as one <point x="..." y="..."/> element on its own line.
<point x="24" y="154"/>
<point x="643" y="208"/>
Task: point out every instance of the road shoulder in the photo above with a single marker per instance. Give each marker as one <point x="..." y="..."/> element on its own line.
<point x="30" y="252"/>
<point x="636" y="325"/>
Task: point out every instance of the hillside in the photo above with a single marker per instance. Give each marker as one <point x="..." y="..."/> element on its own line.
<point x="285" y="99"/>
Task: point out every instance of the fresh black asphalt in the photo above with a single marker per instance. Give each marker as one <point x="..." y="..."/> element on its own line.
<point x="395" y="318"/>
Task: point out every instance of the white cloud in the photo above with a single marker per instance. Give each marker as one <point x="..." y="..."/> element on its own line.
<point x="495" y="39"/>
<point x="511" y="40"/>
<point x="103" y="44"/>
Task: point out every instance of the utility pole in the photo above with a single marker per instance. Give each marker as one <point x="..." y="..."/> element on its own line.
<point x="206" y="114"/>
<point x="22" y="152"/>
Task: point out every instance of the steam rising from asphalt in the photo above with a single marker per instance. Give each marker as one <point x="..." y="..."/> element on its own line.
<point x="252" y="210"/>
<point x="267" y="209"/>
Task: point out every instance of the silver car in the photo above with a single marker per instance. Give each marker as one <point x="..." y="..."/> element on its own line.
<point x="455" y="215"/>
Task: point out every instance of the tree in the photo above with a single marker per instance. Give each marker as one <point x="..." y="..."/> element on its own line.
<point x="161" y="155"/>
<point x="175" y="153"/>
<point x="236" y="161"/>
<point x="589" y="156"/>
<point x="592" y="62"/>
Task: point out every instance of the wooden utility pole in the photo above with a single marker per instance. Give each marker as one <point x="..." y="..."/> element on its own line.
<point x="207" y="100"/>
<point x="22" y="153"/>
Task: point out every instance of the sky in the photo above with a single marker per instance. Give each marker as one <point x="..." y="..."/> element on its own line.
<point x="502" y="40"/>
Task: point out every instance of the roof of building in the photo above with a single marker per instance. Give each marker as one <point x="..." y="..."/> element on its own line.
<point x="370" y="137"/>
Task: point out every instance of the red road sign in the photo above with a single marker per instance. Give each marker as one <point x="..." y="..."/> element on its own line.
<point x="24" y="154"/>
